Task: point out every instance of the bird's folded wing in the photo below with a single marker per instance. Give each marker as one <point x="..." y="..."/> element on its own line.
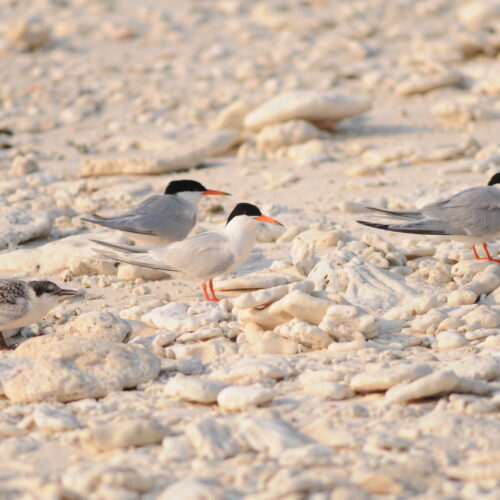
<point x="11" y="312"/>
<point x="426" y="226"/>
<point x="122" y="248"/>
<point x="151" y="264"/>
<point x="201" y="255"/>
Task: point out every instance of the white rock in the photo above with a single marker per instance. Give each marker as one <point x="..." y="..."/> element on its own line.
<point x="429" y="385"/>
<point x="451" y="339"/>
<point x="297" y="304"/>
<point x="10" y="367"/>
<point x="18" y="226"/>
<point x="205" y="351"/>
<point x="72" y="368"/>
<point x="125" y="433"/>
<point x="428" y="322"/>
<point x="342" y="321"/>
<point x="28" y="34"/>
<point x="176" y="449"/>
<point x="270" y="343"/>
<point x="179" y="156"/>
<point x="251" y="369"/>
<point x="328" y="390"/>
<point x="254" y="281"/>
<point x="278" y="135"/>
<point x="52" y="420"/>
<point x="308" y="335"/>
<point x="270" y="436"/>
<point x="127" y="272"/>
<point x="24" y="165"/>
<point x="351" y="346"/>
<point x="307" y="105"/>
<point x="482" y="366"/>
<point x="192" y="488"/>
<point x="212" y="440"/>
<point x="180" y="317"/>
<point x="73" y="253"/>
<point x="484" y="282"/>
<point x="303" y="256"/>
<point x="482" y="317"/>
<point x="362" y="283"/>
<point x="232" y="116"/>
<point x="97" y="325"/>
<point x="237" y="398"/>
<point x="476" y="14"/>
<point x="194" y="390"/>
<point x="421" y="83"/>
<point x="269" y="295"/>
<point x="385" y="378"/>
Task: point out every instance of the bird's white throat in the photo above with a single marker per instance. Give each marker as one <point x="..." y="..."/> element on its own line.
<point x="191" y="197"/>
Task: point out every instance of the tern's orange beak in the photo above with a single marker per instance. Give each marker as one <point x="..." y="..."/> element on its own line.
<point x="214" y="192"/>
<point x="266" y="218"/>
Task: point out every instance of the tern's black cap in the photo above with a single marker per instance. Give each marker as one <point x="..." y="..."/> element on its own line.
<point x="183" y="186"/>
<point x="244" y="209"/>
<point x="494" y="180"/>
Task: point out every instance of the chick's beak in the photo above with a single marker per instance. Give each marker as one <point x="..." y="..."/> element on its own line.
<point x="266" y="218"/>
<point x="215" y="193"/>
<point x="64" y="292"/>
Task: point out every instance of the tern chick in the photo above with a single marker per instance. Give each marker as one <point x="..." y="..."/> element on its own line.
<point x="204" y="256"/>
<point x="25" y="302"/>
<point x="470" y="216"/>
<point x="163" y="218"/>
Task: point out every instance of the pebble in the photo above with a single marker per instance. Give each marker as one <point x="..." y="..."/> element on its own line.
<point x="125" y="434"/>
<point x="238" y="398"/>
<point x="451" y="339"/>
<point x="194" y="390"/>
<point x="308" y="105"/>
<point x="24" y="165"/>
<point x="429" y="385"/>
<point x="212" y="439"/>
<point x="383" y="379"/>
<point x="181" y="156"/>
<point x="272" y="436"/>
<point x="97" y="325"/>
<point x="79" y="374"/>
<point x="28" y="34"/>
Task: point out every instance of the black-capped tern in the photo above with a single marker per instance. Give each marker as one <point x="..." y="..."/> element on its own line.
<point x="160" y="219"/>
<point x="204" y="256"/>
<point x="471" y="216"/>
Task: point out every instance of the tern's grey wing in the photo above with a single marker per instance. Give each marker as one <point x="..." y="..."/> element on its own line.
<point x="202" y="256"/>
<point x="400" y="214"/>
<point x="122" y="248"/>
<point x="141" y="262"/>
<point x="425" y="226"/>
<point x="161" y="215"/>
<point x="475" y="211"/>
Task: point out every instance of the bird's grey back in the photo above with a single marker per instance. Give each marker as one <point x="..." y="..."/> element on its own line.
<point x="474" y="211"/>
<point x="167" y="216"/>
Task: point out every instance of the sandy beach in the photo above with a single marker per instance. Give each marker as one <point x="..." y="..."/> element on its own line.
<point x="343" y="362"/>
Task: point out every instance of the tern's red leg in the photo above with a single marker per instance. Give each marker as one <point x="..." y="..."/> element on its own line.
<point x="204" y="288"/>
<point x="476" y="255"/>
<point x="488" y="255"/>
<point x="211" y="285"/>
